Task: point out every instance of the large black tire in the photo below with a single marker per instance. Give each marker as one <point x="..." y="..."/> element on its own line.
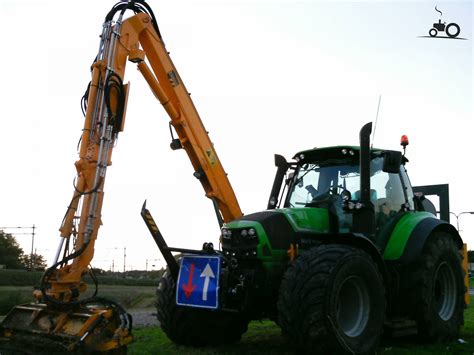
<point x="332" y="301"/>
<point x="436" y="289"/>
<point x="456" y="31"/>
<point x="194" y="326"/>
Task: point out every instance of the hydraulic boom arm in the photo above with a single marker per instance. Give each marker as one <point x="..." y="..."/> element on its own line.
<point x="135" y="39"/>
<point x="63" y="319"/>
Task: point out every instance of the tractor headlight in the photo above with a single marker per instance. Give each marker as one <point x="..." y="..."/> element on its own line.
<point x="248" y="233"/>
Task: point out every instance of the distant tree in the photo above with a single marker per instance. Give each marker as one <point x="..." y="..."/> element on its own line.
<point x="98" y="271"/>
<point x="11" y="253"/>
<point x="470" y="256"/>
<point x="37" y="263"/>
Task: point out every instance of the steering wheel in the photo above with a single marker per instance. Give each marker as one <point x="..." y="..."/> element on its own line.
<point x="334" y="191"/>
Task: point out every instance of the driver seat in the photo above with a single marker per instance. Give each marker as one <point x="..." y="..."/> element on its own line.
<point x="373" y="195"/>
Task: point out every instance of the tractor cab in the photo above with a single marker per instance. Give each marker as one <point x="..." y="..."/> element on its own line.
<point x="330" y="178"/>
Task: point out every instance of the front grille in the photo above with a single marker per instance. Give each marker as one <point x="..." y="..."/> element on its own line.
<point x="238" y="246"/>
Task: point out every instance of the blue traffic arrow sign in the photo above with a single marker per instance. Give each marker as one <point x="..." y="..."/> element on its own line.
<point x="198" y="281"/>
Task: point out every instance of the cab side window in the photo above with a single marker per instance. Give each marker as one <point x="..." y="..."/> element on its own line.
<point x="387" y="194"/>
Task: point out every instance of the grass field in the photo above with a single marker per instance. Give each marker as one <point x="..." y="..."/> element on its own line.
<point x="265" y="338"/>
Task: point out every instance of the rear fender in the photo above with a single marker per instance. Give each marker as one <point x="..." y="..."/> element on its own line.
<point x="421" y="233"/>
<point x="410" y="234"/>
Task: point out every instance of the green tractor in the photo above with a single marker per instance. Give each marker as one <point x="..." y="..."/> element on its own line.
<point x="346" y="250"/>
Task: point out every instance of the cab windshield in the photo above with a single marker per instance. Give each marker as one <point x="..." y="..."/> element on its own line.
<point x="313" y="179"/>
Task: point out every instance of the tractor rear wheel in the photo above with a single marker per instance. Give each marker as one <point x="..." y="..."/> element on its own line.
<point x="194" y="326"/>
<point x="436" y="289"/>
<point x="332" y="300"/>
<point x="453" y="33"/>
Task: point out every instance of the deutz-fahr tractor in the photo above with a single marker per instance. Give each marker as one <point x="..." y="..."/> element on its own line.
<point x="346" y="250"/>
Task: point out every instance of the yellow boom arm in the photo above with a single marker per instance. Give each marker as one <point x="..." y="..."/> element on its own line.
<point x="137" y="40"/>
<point x="62" y="321"/>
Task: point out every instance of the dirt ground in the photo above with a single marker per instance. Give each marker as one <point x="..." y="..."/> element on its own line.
<point x="144" y="317"/>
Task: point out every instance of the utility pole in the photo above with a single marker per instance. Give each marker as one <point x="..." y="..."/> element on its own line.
<point x="32" y="248"/>
<point x="124" y="259"/>
<point x="34" y="260"/>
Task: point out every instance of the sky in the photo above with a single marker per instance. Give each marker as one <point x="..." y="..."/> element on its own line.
<point x="266" y="77"/>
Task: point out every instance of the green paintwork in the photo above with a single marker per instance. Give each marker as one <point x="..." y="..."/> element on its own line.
<point x="308" y="218"/>
<point x="301" y="219"/>
<point x="276" y="254"/>
<point x="401" y="233"/>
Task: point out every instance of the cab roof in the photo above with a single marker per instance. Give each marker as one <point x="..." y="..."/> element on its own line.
<point x="340" y="154"/>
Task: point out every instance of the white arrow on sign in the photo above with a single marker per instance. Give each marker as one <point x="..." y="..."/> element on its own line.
<point x="207" y="273"/>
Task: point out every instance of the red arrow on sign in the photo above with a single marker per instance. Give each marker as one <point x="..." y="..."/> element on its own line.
<point x="189" y="288"/>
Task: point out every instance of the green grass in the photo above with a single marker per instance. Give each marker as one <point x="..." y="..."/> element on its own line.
<point x="261" y="338"/>
<point x="14" y="296"/>
<point x="265" y="338"/>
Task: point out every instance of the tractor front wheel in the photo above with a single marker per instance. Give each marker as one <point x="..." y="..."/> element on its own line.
<point x="332" y="300"/>
<point x="437" y="289"/>
<point x="194" y="326"/>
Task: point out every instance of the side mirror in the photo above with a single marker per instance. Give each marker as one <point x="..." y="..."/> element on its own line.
<point x="424" y="204"/>
<point x="392" y="161"/>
